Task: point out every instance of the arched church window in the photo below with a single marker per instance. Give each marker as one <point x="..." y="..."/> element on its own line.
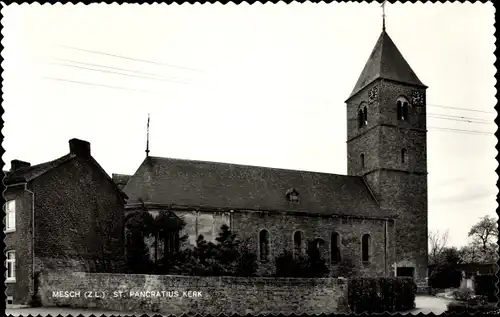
<point x="335" y="247"/>
<point x="362" y="160"/>
<point x="365" y="116"/>
<point x="405" y="111"/>
<point x="402" y="108"/>
<point x="403" y="156"/>
<point x="298" y="240"/>
<point x="317" y="248"/>
<point x="264" y="245"/>
<point x="360" y="118"/>
<point x="365" y="247"/>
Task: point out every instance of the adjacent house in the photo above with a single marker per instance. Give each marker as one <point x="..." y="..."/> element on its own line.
<point x="62" y="214"/>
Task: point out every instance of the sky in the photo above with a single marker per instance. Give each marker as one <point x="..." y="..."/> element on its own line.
<point x="249" y="84"/>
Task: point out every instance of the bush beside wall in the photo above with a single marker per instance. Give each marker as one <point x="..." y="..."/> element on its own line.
<point x="485" y="286"/>
<point x="383" y="294"/>
<point x="463" y="307"/>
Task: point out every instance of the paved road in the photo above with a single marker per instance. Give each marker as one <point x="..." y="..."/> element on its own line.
<point x="424" y="304"/>
<point x="430" y="304"/>
<point x="54" y="311"/>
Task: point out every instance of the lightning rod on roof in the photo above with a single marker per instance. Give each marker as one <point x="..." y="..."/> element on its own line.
<point x="147" y="138"/>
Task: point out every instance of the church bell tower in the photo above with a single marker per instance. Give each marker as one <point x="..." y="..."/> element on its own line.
<point x="386" y="144"/>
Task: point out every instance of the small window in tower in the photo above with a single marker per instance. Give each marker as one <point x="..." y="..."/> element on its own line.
<point x="403" y="156"/>
<point x="365" y="247"/>
<point x="404" y="117"/>
<point x="360" y="118"/>
<point x="402" y="108"/>
<point x="365" y="116"/>
<point x="362" y="159"/>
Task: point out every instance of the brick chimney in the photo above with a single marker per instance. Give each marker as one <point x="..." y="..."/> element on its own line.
<point x="17" y="164"/>
<point x="79" y="147"/>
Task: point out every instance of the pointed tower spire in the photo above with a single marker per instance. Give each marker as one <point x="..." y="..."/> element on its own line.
<point x="383" y="15"/>
<point x="386" y="62"/>
<point x="147" y="138"/>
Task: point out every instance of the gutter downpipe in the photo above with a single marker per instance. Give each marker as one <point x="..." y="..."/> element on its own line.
<point x="32" y="236"/>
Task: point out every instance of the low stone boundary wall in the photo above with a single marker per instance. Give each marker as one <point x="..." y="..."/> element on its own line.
<point x="173" y="294"/>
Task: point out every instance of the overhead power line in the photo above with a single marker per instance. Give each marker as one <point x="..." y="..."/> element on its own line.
<point x="463" y="109"/>
<point x="120" y="73"/>
<point x="460" y="120"/>
<point x="99" y="85"/>
<point x="458" y="117"/>
<point x="116" y="68"/>
<point x="461" y="130"/>
<point x="130" y="58"/>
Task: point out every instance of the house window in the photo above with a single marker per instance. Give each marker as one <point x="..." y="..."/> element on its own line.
<point x="335" y="248"/>
<point x="264" y="245"/>
<point x="362" y="159"/>
<point x="365" y="247"/>
<point x="10" y="264"/>
<point x="298" y="240"/>
<point x="403" y="156"/>
<point x="10" y="219"/>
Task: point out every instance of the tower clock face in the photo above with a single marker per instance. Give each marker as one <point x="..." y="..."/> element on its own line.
<point x="373" y="94"/>
<point x="418" y="98"/>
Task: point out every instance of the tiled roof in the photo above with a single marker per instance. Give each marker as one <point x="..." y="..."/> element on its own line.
<point x="26" y="174"/>
<point x="386" y="62"/>
<point x="222" y="185"/>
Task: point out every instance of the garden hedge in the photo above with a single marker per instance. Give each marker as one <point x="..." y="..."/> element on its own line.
<point x="463" y="307"/>
<point x="485" y="285"/>
<point x="381" y="294"/>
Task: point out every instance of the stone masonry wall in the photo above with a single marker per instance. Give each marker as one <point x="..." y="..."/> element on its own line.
<point x="209" y="295"/>
<point x="281" y="228"/>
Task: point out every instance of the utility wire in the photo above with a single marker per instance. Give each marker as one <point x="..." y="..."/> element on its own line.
<point x="459" y="117"/>
<point x="99" y="85"/>
<point x="461" y="130"/>
<point x="129" y="58"/>
<point x="464" y="109"/>
<point x="459" y="120"/>
<point x="120" y="73"/>
<point x="115" y="68"/>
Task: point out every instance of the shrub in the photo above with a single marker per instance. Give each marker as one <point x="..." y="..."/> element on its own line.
<point x="312" y="265"/>
<point x="463" y="295"/>
<point x="383" y="294"/>
<point x="461" y="307"/>
<point x="485" y="285"/>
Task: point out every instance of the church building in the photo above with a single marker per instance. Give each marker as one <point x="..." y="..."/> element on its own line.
<point x="375" y="216"/>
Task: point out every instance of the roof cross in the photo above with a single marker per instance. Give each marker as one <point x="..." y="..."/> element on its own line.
<point x="383" y="15"/>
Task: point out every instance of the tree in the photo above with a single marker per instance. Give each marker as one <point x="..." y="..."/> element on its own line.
<point x="437" y="243"/>
<point x="138" y="227"/>
<point x="484" y="235"/>
<point x="445" y="273"/>
<point x="229" y="256"/>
